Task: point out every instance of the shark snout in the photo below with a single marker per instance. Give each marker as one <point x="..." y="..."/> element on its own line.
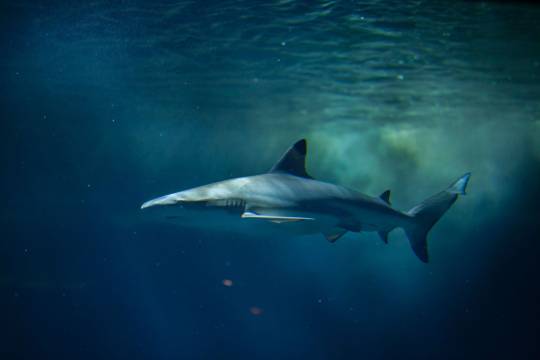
<point x="191" y="197"/>
<point x="160" y="201"/>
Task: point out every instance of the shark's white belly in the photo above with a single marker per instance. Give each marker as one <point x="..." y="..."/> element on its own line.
<point x="231" y="220"/>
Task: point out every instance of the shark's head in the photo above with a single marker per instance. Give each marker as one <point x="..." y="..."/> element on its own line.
<point x="224" y="195"/>
<point x="179" y="198"/>
<point x="214" y="206"/>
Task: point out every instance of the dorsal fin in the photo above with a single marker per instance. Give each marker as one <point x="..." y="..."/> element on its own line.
<point x="293" y="161"/>
<point x="385" y="196"/>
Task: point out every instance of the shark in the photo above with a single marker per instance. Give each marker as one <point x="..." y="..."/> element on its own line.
<point x="287" y="199"/>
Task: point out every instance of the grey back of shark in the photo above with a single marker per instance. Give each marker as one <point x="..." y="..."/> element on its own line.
<point x="288" y="199"/>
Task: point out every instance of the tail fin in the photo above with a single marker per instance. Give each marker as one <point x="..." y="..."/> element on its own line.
<point x="428" y="212"/>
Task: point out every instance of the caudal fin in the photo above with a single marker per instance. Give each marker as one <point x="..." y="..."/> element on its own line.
<point x="428" y="212"/>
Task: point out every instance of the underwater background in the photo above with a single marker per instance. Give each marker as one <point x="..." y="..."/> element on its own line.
<point x="106" y="104"/>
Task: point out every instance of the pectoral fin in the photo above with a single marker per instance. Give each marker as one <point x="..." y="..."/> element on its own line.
<point x="274" y="218"/>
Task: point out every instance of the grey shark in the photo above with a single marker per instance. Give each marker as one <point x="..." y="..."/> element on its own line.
<point x="288" y="199"/>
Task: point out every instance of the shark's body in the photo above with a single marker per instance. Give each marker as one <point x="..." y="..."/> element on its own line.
<point x="288" y="199"/>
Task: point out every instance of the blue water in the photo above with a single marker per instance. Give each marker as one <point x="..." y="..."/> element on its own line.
<point x="105" y="105"/>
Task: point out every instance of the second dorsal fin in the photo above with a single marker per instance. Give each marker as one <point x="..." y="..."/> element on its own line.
<point x="294" y="160"/>
<point x="385" y="196"/>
